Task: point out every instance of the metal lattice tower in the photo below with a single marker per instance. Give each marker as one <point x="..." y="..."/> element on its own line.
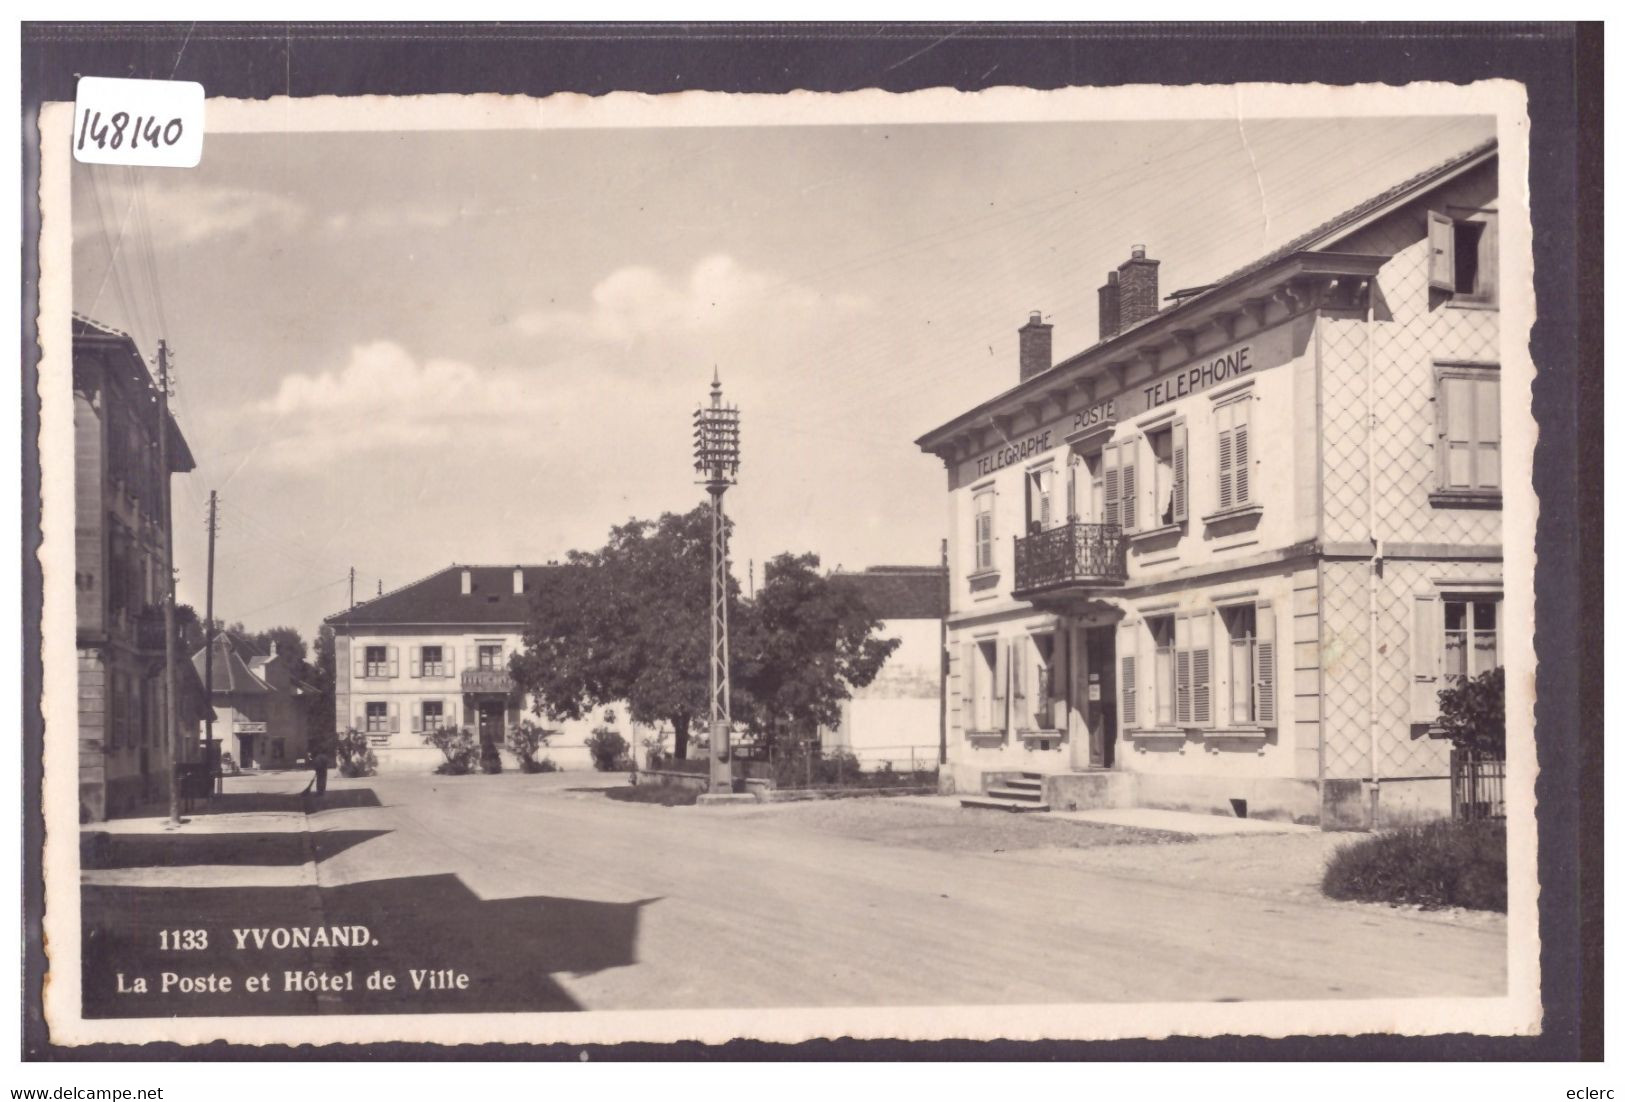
<point x="716" y="457"/>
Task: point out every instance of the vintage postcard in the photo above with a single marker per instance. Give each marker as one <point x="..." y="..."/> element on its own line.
<point x="644" y="568"/>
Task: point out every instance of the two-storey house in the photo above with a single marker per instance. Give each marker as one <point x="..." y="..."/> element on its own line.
<point x="260" y="711"/>
<point x="1224" y="558"/>
<point x="435" y="654"/>
<point x="125" y="756"/>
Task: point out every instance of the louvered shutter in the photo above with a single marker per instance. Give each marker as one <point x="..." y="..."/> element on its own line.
<point x="1487" y="430"/>
<point x="1264" y="665"/>
<point x="1020" y="659"/>
<point x="1202" y="669"/>
<point x="1001" y="674"/>
<point x="417" y="716"/>
<point x="1182" y="670"/>
<point x="361" y="720"/>
<point x="1113" y="484"/>
<point x="448" y="655"/>
<point x="967" y="686"/>
<point x="470" y="659"/>
<point x="1128" y="689"/>
<point x="414" y="657"/>
<point x="1427" y="647"/>
<point x="360" y="662"/>
<point x="1243" y="468"/>
<point x="394" y="716"/>
<point x="1058" y="666"/>
<point x="1441" y="251"/>
<point x="1179" y="449"/>
<point x="1227" y="457"/>
<point x="1126" y="473"/>
<point x="394" y="654"/>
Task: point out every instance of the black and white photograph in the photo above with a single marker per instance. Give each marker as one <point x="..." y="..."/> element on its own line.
<point x="1026" y="565"/>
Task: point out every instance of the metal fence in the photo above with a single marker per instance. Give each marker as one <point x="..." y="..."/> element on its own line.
<point x="1477" y="786"/>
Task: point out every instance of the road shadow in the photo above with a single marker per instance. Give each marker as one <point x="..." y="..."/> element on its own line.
<point x="427" y="932"/>
<point x="243" y="803"/>
<point x="160" y="851"/>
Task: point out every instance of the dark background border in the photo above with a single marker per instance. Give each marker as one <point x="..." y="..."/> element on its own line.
<point x="1561" y="66"/>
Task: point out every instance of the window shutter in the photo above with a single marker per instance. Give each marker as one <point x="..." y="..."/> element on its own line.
<point x="1114" y="487"/>
<point x="394" y="654"/>
<point x="1458" y="430"/>
<point x="1019" y="658"/>
<point x="394" y="716"/>
<point x="361" y="720"/>
<point x="1179" y="448"/>
<point x="1427" y="646"/>
<point x="417" y="717"/>
<point x="1441" y="251"/>
<point x="360" y="660"/>
<point x="1001" y="673"/>
<point x="1487" y="415"/>
<point x="967" y="686"/>
<point x="414" y="656"/>
<point x="448" y="655"/>
<point x="1227" y="458"/>
<point x="1182" y="670"/>
<point x="1058" y="666"/>
<point x="1128" y="488"/>
<point x="1128" y="691"/>
<point x="1239" y="442"/>
<point x="470" y="659"/>
<point x="1202" y="669"/>
<point x="1264" y="665"/>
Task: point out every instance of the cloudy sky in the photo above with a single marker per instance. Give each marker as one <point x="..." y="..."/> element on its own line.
<point x="398" y="351"/>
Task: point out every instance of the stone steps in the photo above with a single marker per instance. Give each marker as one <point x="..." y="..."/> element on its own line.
<point x="1023" y="793"/>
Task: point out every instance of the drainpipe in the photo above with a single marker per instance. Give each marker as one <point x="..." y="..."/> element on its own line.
<point x="1375" y="566"/>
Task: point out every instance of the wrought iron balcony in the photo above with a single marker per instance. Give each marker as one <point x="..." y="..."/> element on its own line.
<point x="1069" y="557"/>
<point x="148" y="625"/>
<point x="487" y="681"/>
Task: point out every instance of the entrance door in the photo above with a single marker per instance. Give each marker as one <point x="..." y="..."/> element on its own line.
<point x="490" y="725"/>
<point x="247" y="743"/>
<point x="1100" y="695"/>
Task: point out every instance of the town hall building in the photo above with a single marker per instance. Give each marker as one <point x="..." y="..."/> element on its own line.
<point x="1224" y="559"/>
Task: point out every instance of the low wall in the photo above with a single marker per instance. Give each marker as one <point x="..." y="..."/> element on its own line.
<point x="700" y="782"/>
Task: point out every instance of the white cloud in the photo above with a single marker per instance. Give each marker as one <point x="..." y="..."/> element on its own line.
<point x="717" y="294"/>
<point x="384" y="399"/>
<point x="184" y="213"/>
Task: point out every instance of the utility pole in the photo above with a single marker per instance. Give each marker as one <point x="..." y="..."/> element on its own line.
<point x="209" y="755"/>
<point x="716" y="456"/>
<point x="171" y="717"/>
<point x="352" y="587"/>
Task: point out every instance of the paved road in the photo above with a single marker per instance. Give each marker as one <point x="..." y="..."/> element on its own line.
<point x="553" y="899"/>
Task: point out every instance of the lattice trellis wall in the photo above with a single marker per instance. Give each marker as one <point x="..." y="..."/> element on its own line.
<point x="1411" y="332"/>
<point x="1346" y="669"/>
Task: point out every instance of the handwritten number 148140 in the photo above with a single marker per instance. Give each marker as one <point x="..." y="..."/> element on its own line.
<point x="119" y="129"/>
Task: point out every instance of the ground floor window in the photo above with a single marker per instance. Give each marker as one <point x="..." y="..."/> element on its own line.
<point x="377" y="717"/>
<point x="982" y="698"/>
<point x="1162" y="669"/>
<point x="433" y="715"/>
<point x="1472" y="643"/>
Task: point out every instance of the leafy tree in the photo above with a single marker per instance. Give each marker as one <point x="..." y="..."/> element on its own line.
<point x="1473" y="714"/>
<point x="627" y="622"/>
<point x="805" y="645"/>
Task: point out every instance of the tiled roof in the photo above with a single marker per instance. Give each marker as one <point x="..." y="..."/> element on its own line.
<point x="439" y="599"/>
<point x="231" y="673"/>
<point x="901" y="592"/>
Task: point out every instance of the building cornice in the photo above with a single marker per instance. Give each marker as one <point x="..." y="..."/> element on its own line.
<point x="1301" y="281"/>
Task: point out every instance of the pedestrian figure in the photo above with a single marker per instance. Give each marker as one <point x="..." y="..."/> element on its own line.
<point x="318" y="761"/>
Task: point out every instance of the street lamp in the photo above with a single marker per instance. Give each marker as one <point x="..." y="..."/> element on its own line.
<point x="716" y="458"/>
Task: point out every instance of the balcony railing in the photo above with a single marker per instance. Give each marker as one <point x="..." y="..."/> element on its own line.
<point x="487" y="681"/>
<point x="1075" y="554"/>
<point x="149" y="630"/>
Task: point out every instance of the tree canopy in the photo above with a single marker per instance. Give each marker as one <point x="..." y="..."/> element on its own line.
<point x="630" y="622"/>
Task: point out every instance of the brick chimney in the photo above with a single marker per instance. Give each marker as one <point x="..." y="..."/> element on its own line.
<point x="1137" y="288"/>
<point x="468" y="581"/>
<point x="518" y="579"/>
<point x="1109" y="323"/>
<point x="1037" y="346"/>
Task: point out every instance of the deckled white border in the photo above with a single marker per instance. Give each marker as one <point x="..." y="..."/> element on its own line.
<point x="1516" y="1013"/>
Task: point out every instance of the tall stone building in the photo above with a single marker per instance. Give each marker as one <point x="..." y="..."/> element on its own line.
<point x="1224" y="558"/>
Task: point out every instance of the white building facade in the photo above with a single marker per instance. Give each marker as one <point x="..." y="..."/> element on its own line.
<point x="435" y="653"/>
<point x="1224" y="559"/>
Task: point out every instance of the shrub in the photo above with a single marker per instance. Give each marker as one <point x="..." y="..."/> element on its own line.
<point x="1473" y="714"/>
<point x="1440" y="864"/>
<point x="355" y="756"/>
<point x="525" y="740"/>
<point x="457" y="746"/>
<point x="608" y="750"/>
